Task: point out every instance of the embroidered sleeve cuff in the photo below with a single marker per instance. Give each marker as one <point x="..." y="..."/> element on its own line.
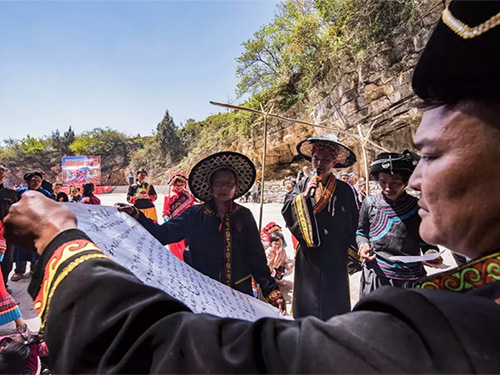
<point x="136" y="214"/>
<point x="274" y="296"/>
<point x="65" y="253"/>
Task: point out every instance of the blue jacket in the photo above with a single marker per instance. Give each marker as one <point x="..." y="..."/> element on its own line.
<point x="21" y="191"/>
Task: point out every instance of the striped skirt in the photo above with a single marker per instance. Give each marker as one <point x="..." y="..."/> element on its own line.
<point x="380" y="272"/>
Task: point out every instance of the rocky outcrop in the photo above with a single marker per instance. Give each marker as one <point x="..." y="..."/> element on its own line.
<point x="372" y="90"/>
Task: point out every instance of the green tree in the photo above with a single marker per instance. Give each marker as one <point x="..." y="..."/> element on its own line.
<point x="280" y="50"/>
<point x="168" y="140"/>
<point x="111" y="145"/>
<point x="189" y="135"/>
<point x="61" y="143"/>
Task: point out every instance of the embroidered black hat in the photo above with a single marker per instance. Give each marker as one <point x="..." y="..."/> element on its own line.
<point x="461" y="58"/>
<point x="344" y="155"/>
<point x="391" y="162"/>
<point x="28" y="175"/>
<point x="242" y="166"/>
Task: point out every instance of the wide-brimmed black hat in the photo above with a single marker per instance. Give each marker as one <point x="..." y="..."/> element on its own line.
<point x="391" y="162"/>
<point x="28" y="175"/>
<point x="461" y="58"/>
<point x="242" y="166"/>
<point x="344" y="155"/>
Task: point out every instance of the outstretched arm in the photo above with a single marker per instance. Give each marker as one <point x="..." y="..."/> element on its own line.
<point x="99" y="318"/>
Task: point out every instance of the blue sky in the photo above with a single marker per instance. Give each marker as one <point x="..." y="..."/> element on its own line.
<point x="119" y="63"/>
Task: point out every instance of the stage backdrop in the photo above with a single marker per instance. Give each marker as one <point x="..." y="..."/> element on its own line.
<point x="77" y="170"/>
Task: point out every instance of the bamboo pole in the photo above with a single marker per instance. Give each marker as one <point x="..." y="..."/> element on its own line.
<point x="262" y="180"/>
<point x="262" y="113"/>
<point x="362" y="140"/>
<point x="365" y="159"/>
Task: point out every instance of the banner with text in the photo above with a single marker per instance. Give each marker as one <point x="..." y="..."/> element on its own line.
<point x="77" y="170"/>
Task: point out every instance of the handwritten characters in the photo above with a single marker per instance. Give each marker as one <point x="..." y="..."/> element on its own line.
<point x="130" y="245"/>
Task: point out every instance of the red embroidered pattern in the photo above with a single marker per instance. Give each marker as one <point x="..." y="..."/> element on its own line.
<point x="325" y="193"/>
<point x="274" y="295"/>
<point x="482" y="271"/>
<point x="62" y="254"/>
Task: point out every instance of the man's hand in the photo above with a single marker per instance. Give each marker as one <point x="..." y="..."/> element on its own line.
<point x="36" y="220"/>
<point x="312" y="184"/>
<point x="281" y="305"/>
<point x="127" y="208"/>
<point x="436" y="263"/>
<point x="364" y="252"/>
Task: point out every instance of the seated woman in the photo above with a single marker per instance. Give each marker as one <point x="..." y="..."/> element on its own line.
<point x="388" y="226"/>
<point x="277" y="259"/>
<point x="265" y="233"/>
<point x="223" y="238"/>
<point x="19" y="353"/>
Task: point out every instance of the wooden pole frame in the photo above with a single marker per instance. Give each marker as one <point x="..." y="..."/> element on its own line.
<point x="262" y="180"/>
<point x="362" y="140"/>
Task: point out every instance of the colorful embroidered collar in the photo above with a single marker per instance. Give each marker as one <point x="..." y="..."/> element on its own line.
<point x="482" y="271"/>
<point x="324" y="193"/>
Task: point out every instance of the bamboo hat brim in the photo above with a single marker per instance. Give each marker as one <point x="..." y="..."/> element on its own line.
<point x="199" y="178"/>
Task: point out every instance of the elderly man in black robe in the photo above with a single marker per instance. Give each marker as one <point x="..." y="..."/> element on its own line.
<point x="321" y="213"/>
<point x="99" y="318"/>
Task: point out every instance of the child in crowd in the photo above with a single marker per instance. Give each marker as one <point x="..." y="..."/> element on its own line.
<point x="277" y="259"/>
<point x="19" y="353"/>
<point x="88" y="194"/>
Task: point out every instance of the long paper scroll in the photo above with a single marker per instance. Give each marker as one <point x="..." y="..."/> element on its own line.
<point x="129" y="244"/>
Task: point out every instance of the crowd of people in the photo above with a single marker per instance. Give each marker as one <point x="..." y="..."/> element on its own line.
<point x="98" y="317"/>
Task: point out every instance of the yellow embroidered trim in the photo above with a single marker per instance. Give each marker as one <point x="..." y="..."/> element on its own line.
<point x="61" y="277"/>
<point x="465" y="31"/>
<point x="243" y="279"/>
<point x="60" y="256"/>
<point x="305" y="226"/>
<point x="228" y="268"/>
<point x="274" y="295"/>
<point x="137" y="213"/>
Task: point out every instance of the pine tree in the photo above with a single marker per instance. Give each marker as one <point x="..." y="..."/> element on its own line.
<point x="168" y="140"/>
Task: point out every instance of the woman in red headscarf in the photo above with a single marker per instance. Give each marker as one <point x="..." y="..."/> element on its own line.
<point x="176" y="202"/>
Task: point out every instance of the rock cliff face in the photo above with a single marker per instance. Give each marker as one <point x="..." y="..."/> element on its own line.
<point x="372" y="90"/>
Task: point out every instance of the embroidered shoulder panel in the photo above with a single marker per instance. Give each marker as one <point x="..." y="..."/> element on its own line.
<point x="386" y="215"/>
<point x="304" y="219"/>
<point x="325" y="194"/>
<point x="485" y="270"/>
<point x="62" y="262"/>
